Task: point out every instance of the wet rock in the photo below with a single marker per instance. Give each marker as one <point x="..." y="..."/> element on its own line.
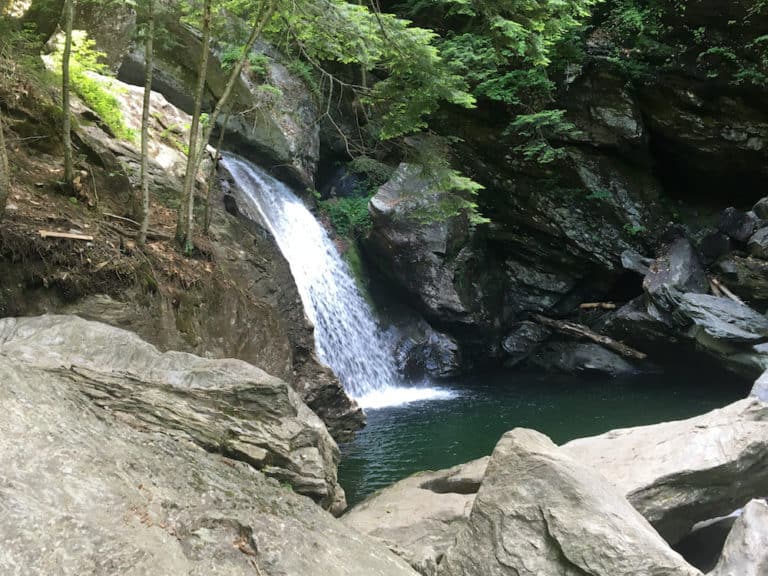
<point x="715" y="245"/>
<point x="722" y="318"/>
<point x="746" y="550"/>
<point x="761" y="208"/>
<point x="580" y="358"/>
<point x="421" y="351"/>
<point x="697" y="469"/>
<point x="522" y="340"/>
<point x="758" y="244"/>
<point x="419" y="517"/>
<point x="223" y="406"/>
<point x="104" y="484"/>
<point x="538" y="511"/>
<point x="737" y="224"/>
<point x="760" y="389"/>
<point x="678" y="268"/>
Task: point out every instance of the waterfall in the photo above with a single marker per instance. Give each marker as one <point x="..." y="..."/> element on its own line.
<point x="347" y="336"/>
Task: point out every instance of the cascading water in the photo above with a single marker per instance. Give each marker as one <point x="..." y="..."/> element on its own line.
<point x="346" y="334"/>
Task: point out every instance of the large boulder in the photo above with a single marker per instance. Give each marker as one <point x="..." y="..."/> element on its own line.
<point x="746" y="550"/>
<point x="275" y="125"/>
<point x="722" y="318"/>
<point x="581" y="357"/>
<point x="539" y="511"/>
<point x="758" y="244"/>
<point x="98" y="481"/>
<point x="738" y="225"/>
<point x="747" y="277"/>
<point x="419" y="517"/>
<point x="677" y="268"/>
<point x="760" y="388"/>
<point x="111" y="25"/>
<point x="224" y="406"/>
<point x="679" y="473"/>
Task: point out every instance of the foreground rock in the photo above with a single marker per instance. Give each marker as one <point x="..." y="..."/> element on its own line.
<point x="760" y="389"/>
<point x="420" y="516"/>
<point x="224" y="406"/>
<point x="679" y="473"/>
<point x="97" y="489"/>
<point x="746" y="549"/>
<point x="539" y="512"/>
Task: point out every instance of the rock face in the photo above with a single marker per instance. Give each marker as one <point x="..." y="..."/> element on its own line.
<point x="111" y="479"/>
<point x="225" y="406"/>
<point x="419" y="517"/>
<point x="111" y="25"/>
<point x="279" y="130"/>
<point x="577" y="357"/>
<point x="674" y="473"/>
<point x="538" y="511"/>
<point x="746" y="550"/>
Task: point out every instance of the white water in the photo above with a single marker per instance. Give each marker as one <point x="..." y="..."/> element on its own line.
<point x="347" y="337"/>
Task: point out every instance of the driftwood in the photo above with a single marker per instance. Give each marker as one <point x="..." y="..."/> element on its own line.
<point x="65" y="235"/>
<point x="596" y="305"/>
<point x="581" y="331"/>
<point x="151" y="234"/>
<point x="724" y="290"/>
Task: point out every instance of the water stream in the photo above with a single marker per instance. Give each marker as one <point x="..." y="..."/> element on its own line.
<point x="347" y="336"/>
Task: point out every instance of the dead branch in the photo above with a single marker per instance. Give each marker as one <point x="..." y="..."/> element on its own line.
<point x="581" y="331"/>
<point x="596" y="305"/>
<point x="65" y="235"/>
<point x="724" y="289"/>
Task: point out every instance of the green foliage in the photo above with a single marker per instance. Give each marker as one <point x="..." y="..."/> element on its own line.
<point x="349" y="216"/>
<point x="258" y="64"/>
<point x="98" y="93"/>
<point x="375" y="173"/>
<point x="537" y="131"/>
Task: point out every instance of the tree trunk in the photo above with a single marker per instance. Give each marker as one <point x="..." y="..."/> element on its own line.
<point x="5" y="176"/>
<point x="149" y="63"/>
<point x="184" y="227"/>
<point x="261" y="21"/>
<point x="69" y="16"/>
<point x="212" y="176"/>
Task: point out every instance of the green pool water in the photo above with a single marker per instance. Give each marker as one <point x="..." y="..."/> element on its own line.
<point x="430" y="435"/>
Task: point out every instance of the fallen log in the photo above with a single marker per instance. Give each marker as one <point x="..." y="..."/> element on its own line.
<point x="596" y="305"/>
<point x="65" y="235"/>
<point x="724" y="289"/>
<point x="581" y="331"/>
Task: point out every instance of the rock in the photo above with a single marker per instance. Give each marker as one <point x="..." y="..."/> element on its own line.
<point x="633" y="325"/>
<point x="577" y="358"/>
<point x="697" y="469"/>
<point x="522" y="340"/>
<point x="538" y="511"/>
<point x="421" y="351"/>
<point x="715" y="245"/>
<point x="425" y="257"/>
<point x="746" y="550"/>
<point x="112" y="26"/>
<point x="678" y="268"/>
<point x="419" y="517"/>
<point x="722" y="318"/>
<point x="279" y="131"/>
<point x="760" y="389"/>
<point x="702" y="547"/>
<point x="95" y="488"/>
<point x="633" y="261"/>
<point x="747" y="277"/>
<point x="224" y="406"/>
<point x="758" y="244"/>
<point x="737" y="224"/>
<point x="761" y="208"/>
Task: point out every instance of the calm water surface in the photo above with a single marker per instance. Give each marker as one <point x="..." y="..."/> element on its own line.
<point x="401" y="440"/>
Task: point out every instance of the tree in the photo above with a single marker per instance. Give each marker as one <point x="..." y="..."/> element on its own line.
<point x="5" y="176"/>
<point x="149" y="62"/>
<point x="212" y="176"/>
<point x="69" y="16"/>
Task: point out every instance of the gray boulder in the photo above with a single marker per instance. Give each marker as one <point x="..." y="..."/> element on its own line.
<point x="112" y="25"/>
<point x="93" y="487"/>
<point x="224" y="406"/>
<point x="747" y="277"/>
<point x="737" y="224"/>
<point x="761" y="208"/>
<point x="746" y="550"/>
<point x="580" y="357"/>
<point x="679" y="473"/>
<point x="760" y="389"/>
<point x="758" y="244"/>
<point x="539" y="511"/>
<point x="419" y="517"/>
<point x="722" y="318"/>
<point x="522" y="340"/>
<point x="678" y="268"/>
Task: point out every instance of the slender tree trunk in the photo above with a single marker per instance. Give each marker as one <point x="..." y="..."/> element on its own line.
<point x="149" y="63"/>
<point x="5" y="176"/>
<point x="184" y="228"/>
<point x="261" y="21"/>
<point x="212" y="176"/>
<point x="69" y="16"/>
